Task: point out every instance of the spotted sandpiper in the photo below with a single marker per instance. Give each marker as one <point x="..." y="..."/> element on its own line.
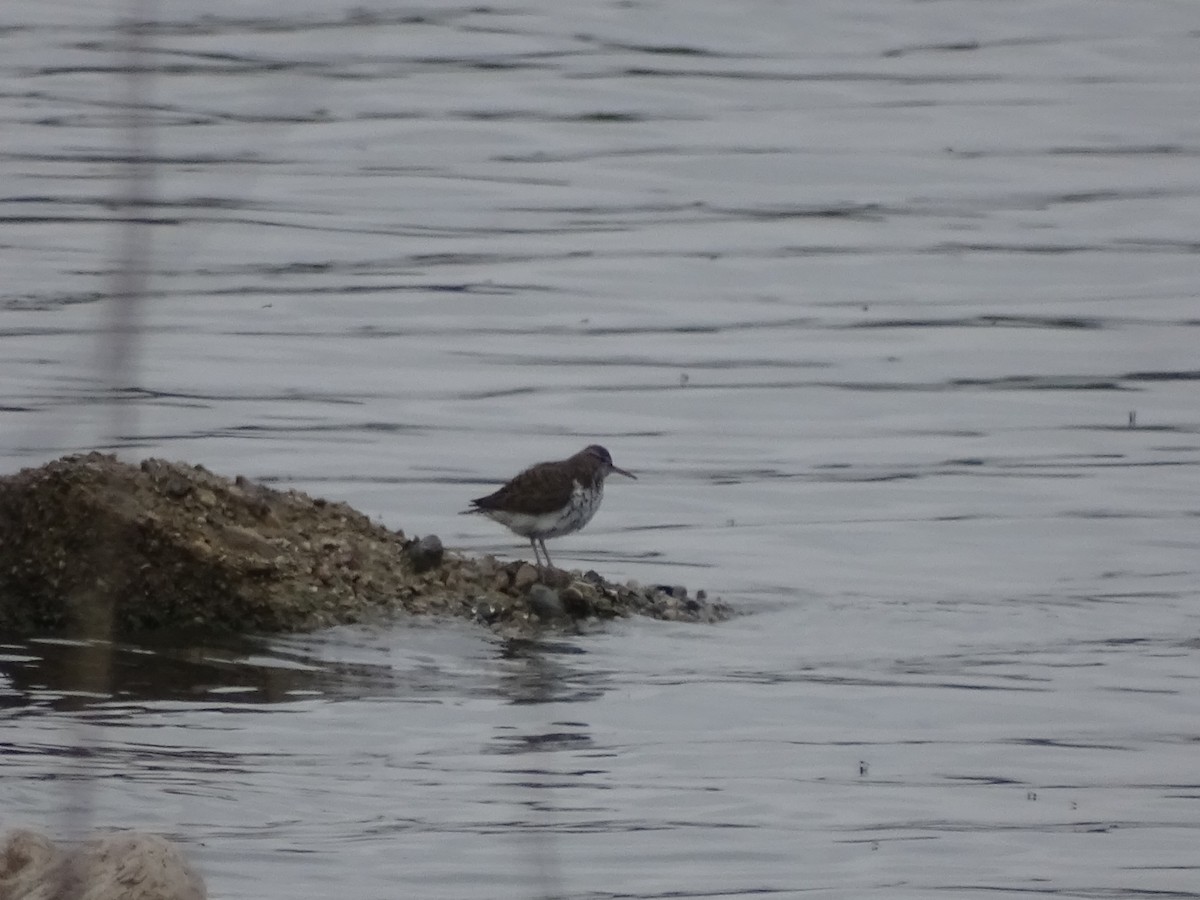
<point x="552" y="498"/>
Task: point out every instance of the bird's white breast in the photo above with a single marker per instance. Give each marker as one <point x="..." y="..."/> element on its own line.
<point x="577" y="513"/>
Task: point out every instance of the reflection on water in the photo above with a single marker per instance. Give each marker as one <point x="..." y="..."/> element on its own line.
<point x="540" y="765"/>
<point x="241" y="670"/>
<point x="892" y="308"/>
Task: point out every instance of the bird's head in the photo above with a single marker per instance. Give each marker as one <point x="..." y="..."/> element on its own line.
<point x="602" y="459"/>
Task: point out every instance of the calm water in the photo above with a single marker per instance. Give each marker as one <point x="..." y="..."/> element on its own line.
<point x="890" y="305"/>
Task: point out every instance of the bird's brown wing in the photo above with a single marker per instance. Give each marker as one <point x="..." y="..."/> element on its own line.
<point x="539" y="489"/>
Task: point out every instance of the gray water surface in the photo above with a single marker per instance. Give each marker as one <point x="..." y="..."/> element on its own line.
<point x="891" y="306"/>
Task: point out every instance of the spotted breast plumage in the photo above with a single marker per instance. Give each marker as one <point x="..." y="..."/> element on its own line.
<point x="551" y="499"/>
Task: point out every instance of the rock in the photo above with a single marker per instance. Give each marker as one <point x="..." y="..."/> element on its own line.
<point x="545" y="602"/>
<point x="425" y="553"/>
<point x="575" y="602"/>
<point x="247" y="541"/>
<point x="526" y="576"/>
<point x="120" y="865"/>
<point x="29" y="865"/>
<point x="487" y="612"/>
<point x="93" y="546"/>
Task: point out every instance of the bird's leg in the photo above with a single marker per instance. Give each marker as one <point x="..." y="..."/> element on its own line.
<point x="549" y="564"/>
<point x="533" y="544"/>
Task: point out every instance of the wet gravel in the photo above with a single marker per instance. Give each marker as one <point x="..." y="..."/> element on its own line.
<point x="89" y="539"/>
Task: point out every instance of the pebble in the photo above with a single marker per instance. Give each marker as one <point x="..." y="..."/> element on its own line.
<point x="545" y="602"/>
<point x="425" y="553"/>
<point x="575" y="602"/>
<point x="526" y="576"/>
<point x="176" y="488"/>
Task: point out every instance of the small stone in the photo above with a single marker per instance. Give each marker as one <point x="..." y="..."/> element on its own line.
<point x="425" y="553"/>
<point x="486" y="612"/>
<point x="526" y="576"/>
<point x="545" y="601"/>
<point x="575" y="603"/>
<point x="176" y="488"/>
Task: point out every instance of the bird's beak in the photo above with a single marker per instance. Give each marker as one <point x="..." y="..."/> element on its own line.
<point x="621" y="471"/>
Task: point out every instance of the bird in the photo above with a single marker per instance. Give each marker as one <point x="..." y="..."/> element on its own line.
<point x="551" y="499"/>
